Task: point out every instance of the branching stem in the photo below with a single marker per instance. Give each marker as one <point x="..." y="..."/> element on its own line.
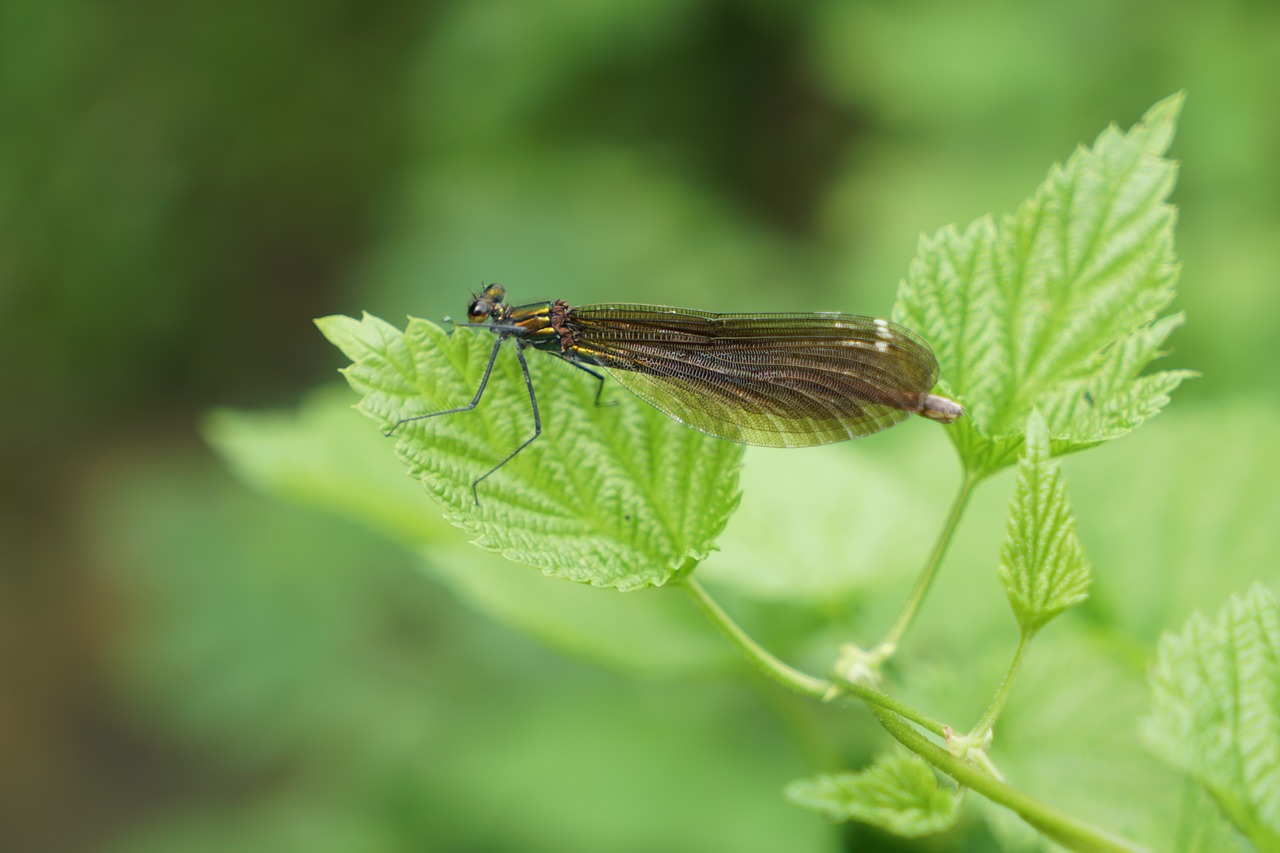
<point x="792" y="678"/>
<point x="1068" y="831"/>
<point x="897" y="718"/>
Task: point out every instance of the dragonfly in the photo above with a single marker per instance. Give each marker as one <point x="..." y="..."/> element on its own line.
<point x="772" y="380"/>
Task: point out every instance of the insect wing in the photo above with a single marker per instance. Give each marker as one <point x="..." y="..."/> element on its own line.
<point x="776" y="380"/>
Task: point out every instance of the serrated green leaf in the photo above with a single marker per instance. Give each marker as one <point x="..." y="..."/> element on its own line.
<point x="1216" y="710"/>
<point x="1042" y="566"/>
<point x="898" y="793"/>
<point x="1058" y="306"/>
<point x="616" y="496"/>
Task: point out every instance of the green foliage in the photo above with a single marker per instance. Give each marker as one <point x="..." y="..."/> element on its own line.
<point x="1216" y="710"/>
<point x="320" y="457"/>
<point x="173" y="175"/>
<point x="898" y="793"/>
<point x="323" y="458"/>
<point x="1042" y="566"/>
<point x="614" y="496"/>
<point x="1067" y="735"/>
<point x="1058" y="306"/>
<point x="304" y="652"/>
<point x="1056" y="310"/>
<point x="857" y="520"/>
<point x="1160" y="512"/>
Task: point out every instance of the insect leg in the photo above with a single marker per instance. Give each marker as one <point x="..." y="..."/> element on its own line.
<point x="599" y="377"/>
<point x="475" y="401"/>
<point x="537" y="419"/>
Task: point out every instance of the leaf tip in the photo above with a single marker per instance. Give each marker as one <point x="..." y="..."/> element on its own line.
<point x="1167" y="109"/>
<point x="329" y="321"/>
<point x="338" y="329"/>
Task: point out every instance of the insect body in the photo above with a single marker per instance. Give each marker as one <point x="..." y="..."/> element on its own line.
<point x="776" y="380"/>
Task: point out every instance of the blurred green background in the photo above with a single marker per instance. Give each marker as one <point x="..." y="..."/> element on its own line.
<point x="189" y="663"/>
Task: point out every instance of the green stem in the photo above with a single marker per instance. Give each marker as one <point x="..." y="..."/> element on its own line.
<point x="874" y="697"/>
<point x="930" y="571"/>
<point x="893" y="715"/>
<point x="1002" y="695"/>
<point x="787" y="676"/>
<point x="1066" y="830"/>
<point x="792" y="678"/>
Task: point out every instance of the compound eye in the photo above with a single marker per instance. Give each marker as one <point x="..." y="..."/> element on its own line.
<point x="479" y="311"/>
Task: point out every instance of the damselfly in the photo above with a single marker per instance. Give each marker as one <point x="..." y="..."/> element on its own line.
<point x="776" y="380"/>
